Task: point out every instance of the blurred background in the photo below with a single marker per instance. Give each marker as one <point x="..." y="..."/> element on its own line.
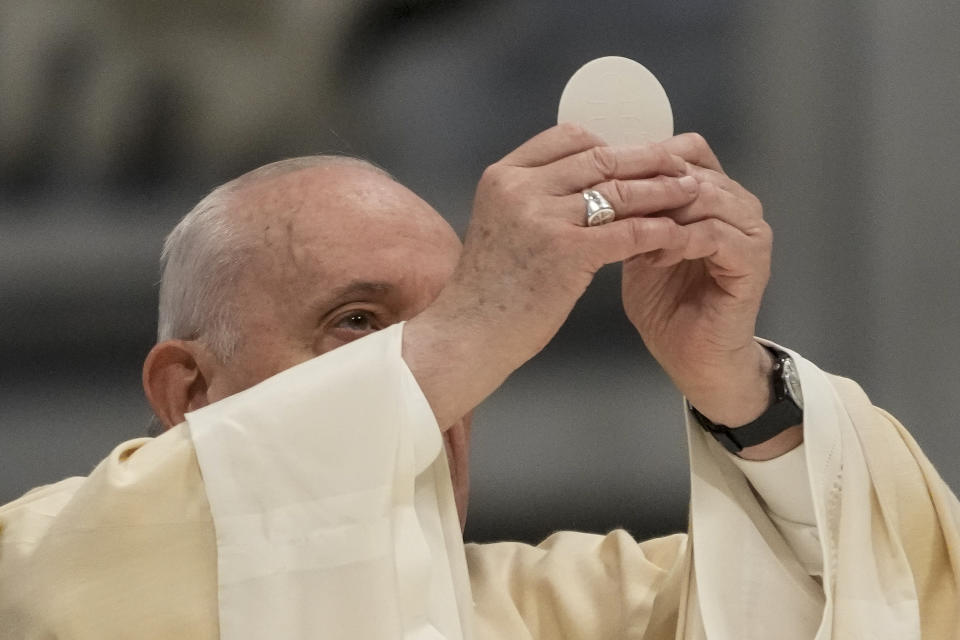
<point x="117" y="116"/>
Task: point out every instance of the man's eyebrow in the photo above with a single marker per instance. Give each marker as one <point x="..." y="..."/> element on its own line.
<point x="350" y="291"/>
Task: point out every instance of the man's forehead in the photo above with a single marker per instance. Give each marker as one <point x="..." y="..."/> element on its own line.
<point x="317" y="190"/>
<point x="325" y="219"/>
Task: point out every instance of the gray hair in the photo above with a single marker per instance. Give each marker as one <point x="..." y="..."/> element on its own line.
<point x="205" y="254"/>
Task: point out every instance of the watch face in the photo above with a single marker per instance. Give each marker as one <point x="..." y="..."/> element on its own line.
<point x="791" y="381"/>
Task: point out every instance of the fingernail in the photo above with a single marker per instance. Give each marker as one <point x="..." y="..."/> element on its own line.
<point x="689" y="184"/>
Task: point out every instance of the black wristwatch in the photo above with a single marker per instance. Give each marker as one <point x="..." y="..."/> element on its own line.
<point x="785" y="412"/>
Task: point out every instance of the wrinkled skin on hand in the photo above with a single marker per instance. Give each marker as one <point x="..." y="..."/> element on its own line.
<point x="528" y="255"/>
<point x="696" y="306"/>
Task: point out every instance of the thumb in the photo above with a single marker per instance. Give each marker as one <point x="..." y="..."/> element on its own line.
<point x="622" y="239"/>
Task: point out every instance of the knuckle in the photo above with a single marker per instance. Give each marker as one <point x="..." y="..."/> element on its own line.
<point x="506" y="179"/>
<point x="507" y="184"/>
<point x="571" y="129"/>
<point x="715" y="228"/>
<point x="696" y="140"/>
<point x="493" y="175"/>
<point x="604" y="160"/>
<point x="756" y="205"/>
<point x="637" y="231"/>
<point x="710" y="195"/>
<point x="660" y="154"/>
<point x="768" y="247"/>
<point x="577" y="133"/>
<point x="765" y="232"/>
<point x="620" y="190"/>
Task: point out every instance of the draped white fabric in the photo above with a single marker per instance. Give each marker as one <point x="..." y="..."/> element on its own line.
<point x="333" y="509"/>
<point x="334" y="516"/>
<point x="753" y="571"/>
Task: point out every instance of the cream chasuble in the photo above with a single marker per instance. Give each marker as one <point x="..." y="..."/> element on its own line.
<point x="318" y="505"/>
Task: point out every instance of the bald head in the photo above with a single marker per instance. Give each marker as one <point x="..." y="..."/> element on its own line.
<point x="205" y="253"/>
<point x="286" y="263"/>
<point x="260" y="228"/>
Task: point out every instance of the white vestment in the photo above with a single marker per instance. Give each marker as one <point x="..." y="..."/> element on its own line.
<point x="319" y="504"/>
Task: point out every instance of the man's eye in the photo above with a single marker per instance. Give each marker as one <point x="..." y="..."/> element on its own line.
<point x="357" y="321"/>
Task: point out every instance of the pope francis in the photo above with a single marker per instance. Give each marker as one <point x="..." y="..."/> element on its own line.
<point x="323" y="339"/>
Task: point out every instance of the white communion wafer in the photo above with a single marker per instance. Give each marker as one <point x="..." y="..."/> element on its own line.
<point x="619" y="100"/>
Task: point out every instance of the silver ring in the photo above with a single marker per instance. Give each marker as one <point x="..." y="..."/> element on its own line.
<point x="599" y="210"/>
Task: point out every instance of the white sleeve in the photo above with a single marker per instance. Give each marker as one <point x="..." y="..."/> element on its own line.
<point x="783" y="486"/>
<point x="755" y="539"/>
<point x="332" y="503"/>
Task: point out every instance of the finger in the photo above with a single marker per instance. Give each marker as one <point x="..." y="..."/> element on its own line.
<point x="621" y="239"/>
<point x="722" y="180"/>
<point x="548" y="146"/>
<point x="704" y="239"/>
<point x="598" y="164"/>
<point x="728" y="251"/>
<point x="694" y="148"/>
<point x="631" y="198"/>
<point x="715" y="202"/>
<point x="723" y="245"/>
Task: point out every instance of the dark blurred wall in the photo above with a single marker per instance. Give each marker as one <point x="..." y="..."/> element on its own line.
<point x="115" y="117"/>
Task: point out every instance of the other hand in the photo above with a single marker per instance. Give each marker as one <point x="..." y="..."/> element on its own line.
<point x="696" y="306"/>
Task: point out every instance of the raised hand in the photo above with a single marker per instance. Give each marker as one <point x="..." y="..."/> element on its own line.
<point x="696" y="305"/>
<point x="528" y="256"/>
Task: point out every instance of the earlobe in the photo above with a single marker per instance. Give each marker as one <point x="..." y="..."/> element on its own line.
<point x="174" y="381"/>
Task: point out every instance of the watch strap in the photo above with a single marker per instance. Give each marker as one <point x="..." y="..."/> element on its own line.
<point x="779" y="417"/>
<point x="782" y="414"/>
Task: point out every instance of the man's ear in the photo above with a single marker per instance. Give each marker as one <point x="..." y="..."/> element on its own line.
<point x="174" y="380"/>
